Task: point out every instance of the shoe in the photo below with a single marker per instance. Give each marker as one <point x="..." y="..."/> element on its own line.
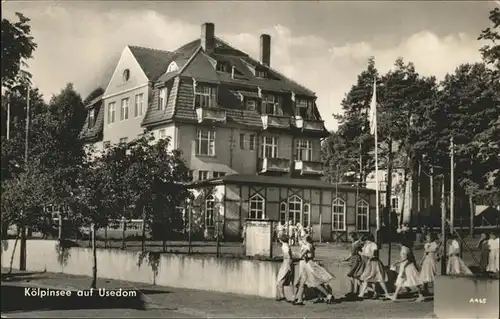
<point x="280" y="299"/>
<point x="330" y="299"/>
<point x="297" y="303"/>
<point x="420" y="299"/>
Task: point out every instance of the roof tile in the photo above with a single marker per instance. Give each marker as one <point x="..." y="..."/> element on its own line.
<point x="95" y="132"/>
<point x="153" y="62"/>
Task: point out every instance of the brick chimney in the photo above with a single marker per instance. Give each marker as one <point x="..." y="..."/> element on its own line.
<point x="265" y="49"/>
<point x="208" y="37"/>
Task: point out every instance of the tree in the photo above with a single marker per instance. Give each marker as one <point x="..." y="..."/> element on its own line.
<point x="17" y="46"/>
<point x="491" y="53"/>
<point x="93" y="95"/>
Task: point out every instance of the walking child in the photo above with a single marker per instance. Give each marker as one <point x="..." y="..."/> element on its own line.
<point x="285" y="274"/>
<point x="373" y="272"/>
<point x="291" y="233"/>
<point x="355" y="262"/>
<point x="428" y="266"/>
<point x="493" y="260"/>
<point x="408" y="275"/>
<point x="455" y="264"/>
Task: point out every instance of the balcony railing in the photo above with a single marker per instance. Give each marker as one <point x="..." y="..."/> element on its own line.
<point x="210" y="114"/>
<point x="309" y="125"/>
<point x="275" y="121"/>
<point x="309" y="167"/>
<point x="269" y="164"/>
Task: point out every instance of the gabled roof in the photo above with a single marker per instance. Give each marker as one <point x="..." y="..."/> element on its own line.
<point x="153" y="62"/>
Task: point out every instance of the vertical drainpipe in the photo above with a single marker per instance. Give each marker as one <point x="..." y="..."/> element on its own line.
<point x="231" y="140"/>
<point x="257" y="150"/>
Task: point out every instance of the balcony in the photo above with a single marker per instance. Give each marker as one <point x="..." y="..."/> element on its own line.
<point x="204" y="114"/>
<point x="268" y="164"/>
<point x="309" y="125"/>
<point x="309" y="167"/>
<point x="275" y="121"/>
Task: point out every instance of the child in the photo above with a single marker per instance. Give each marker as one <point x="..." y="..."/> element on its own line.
<point x="285" y="274"/>
<point x="355" y="262"/>
<point x="374" y="269"/>
<point x="291" y="233"/>
<point x="455" y="264"/>
<point x="429" y="261"/>
<point x="280" y="230"/>
<point x="408" y="275"/>
<point x="493" y="261"/>
<point x="484" y="248"/>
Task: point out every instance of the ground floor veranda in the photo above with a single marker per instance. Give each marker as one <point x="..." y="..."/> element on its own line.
<point x="331" y="211"/>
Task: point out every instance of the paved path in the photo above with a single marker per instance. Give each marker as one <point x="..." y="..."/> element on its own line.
<point x="183" y="303"/>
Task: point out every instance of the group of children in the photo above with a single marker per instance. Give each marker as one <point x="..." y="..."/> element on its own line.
<point x="366" y="269"/>
<point x="294" y="232"/>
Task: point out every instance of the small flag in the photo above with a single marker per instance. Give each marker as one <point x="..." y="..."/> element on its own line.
<point x="373" y="109"/>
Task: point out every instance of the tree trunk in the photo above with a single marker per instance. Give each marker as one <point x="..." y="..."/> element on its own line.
<point x="106" y="236"/>
<point x="164" y="237"/>
<point x="22" y="257"/>
<point x="14" y="251"/>
<point x="143" y="239"/>
<point x="124" y="222"/>
<point x="405" y="177"/>
<point x="94" y="258"/>
<point x="472" y="214"/>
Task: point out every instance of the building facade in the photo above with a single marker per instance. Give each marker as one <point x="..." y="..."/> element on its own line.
<point x="238" y="122"/>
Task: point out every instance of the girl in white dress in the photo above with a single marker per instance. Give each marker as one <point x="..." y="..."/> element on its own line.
<point x="493" y="261"/>
<point x="280" y="231"/>
<point x="455" y="264"/>
<point x="285" y="274"/>
<point x="373" y="272"/>
<point x="408" y="276"/>
<point x="313" y="275"/>
<point x="291" y="233"/>
<point x="428" y="266"/>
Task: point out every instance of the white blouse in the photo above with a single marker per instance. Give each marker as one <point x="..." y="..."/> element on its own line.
<point x="494" y="244"/>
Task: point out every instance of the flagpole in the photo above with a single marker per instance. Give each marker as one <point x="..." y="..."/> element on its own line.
<point x="377" y="199"/>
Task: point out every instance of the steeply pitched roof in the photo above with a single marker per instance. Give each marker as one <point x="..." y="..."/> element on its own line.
<point x="94" y="133"/>
<point x="153" y="62"/>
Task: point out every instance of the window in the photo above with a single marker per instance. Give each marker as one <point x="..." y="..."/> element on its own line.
<point x="395" y="203"/>
<point x="205" y="142"/>
<point x="205" y="96"/>
<point x="91" y="118"/>
<point x="251" y="142"/>
<point x="294" y="209"/>
<point x="306" y="215"/>
<point x="362" y="217"/>
<point x="202" y="175"/>
<point x="283" y="213"/>
<point x="139" y="105"/>
<point x="106" y="144"/>
<point x="338" y="214"/>
<point x="111" y="112"/>
<point x="162" y="133"/>
<point x="270" y="104"/>
<point x="269" y="147"/>
<point x="261" y="73"/>
<point x="251" y="104"/>
<point x="242" y="141"/>
<point x="304" y="150"/>
<point x="124" y="111"/>
<point x="126" y="75"/>
<point x="219" y="174"/>
<point x="222" y="66"/>
<point x="162" y="99"/>
<point x="209" y="211"/>
<point x="123" y="140"/>
<point x="257" y="207"/>
<point x="302" y="106"/>
<point x="172" y="67"/>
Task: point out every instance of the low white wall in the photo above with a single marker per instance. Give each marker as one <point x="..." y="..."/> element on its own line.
<point x="249" y="277"/>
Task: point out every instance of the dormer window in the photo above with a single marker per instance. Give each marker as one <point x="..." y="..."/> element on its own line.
<point x="162" y="99"/>
<point x="205" y="96"/>
<point x="172" y="67"/>
<point x="271" y="104"/>
<point x="251" y="104"/>
<point x="261" y="73"/>
<point x="302" y="106"/>
<point x="91" y="119"/>
<point x="222" y="67"/>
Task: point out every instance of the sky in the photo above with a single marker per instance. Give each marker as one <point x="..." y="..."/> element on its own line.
<point x="323" y="45"/>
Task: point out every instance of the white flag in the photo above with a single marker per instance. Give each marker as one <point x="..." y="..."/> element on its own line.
<point x="373" y="109"/>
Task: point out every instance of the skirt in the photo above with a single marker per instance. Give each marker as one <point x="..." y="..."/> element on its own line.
<point x="358" y="271"/>
<point x="285" y="274"/>
<point x="493" y="261"/>
<point x="301" y="272"/>
<point x="354" y="264"/>
<point x="456" y="266"/>
<point x="374" y="271"/>
<point x="316" y="275"/>
<point x="484" y="259"/>
<point x="408" y="276"/>
<point x="429" y="268"/>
